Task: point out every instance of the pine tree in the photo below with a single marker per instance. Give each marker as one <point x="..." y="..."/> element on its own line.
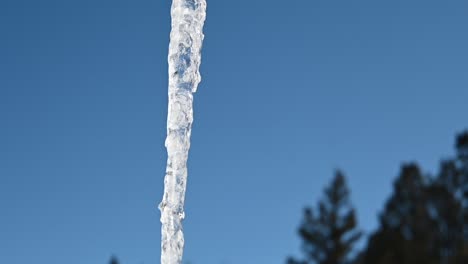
<point x="114" y="260"/>
<point x="462" y="150"/>
<point x="407" y="231"/>
<point x="451" y="194"/>
<point x="462" y="165"/>
<point x="330" y="231"/>
<point x="426" y="218"/>
<point x="446" y="210"/>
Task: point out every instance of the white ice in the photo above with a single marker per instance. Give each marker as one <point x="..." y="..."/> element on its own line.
<point x="188" y="17"/>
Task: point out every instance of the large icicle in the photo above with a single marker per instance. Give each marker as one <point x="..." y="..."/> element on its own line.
<point x="188" y="17"/>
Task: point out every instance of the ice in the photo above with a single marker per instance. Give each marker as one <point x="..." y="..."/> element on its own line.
<point x="188" y="17"/>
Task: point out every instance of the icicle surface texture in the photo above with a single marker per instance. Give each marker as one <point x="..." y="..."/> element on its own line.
<point x="188" y="17"/>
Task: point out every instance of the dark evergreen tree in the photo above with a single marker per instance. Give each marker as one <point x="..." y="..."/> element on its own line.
<point x="446" y="210"/>
<point x="462" y="165"/>
<point x="114" y="260"/>
<point x="407" y="232"/>
<point x="449" y="196"/>
<point x="425" y="219"/>
<point x="462" y="150"/>
<point x="330" y="231"/>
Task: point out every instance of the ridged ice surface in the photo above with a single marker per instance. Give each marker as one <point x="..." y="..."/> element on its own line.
<point x="188" y="17"/>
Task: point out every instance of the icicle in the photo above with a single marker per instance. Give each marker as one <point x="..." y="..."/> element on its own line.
<point x="188" y="17"/>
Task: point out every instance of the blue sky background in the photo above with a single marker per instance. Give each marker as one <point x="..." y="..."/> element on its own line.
<point x="291" y="90"/>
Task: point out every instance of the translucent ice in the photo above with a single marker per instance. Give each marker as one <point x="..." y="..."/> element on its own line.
<point x="188" y="17"/>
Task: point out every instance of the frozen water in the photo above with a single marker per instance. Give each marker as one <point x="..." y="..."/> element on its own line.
<point x="188" y="17"/>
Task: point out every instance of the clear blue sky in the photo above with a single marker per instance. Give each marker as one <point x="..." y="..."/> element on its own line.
<point x="291" y="90"/>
